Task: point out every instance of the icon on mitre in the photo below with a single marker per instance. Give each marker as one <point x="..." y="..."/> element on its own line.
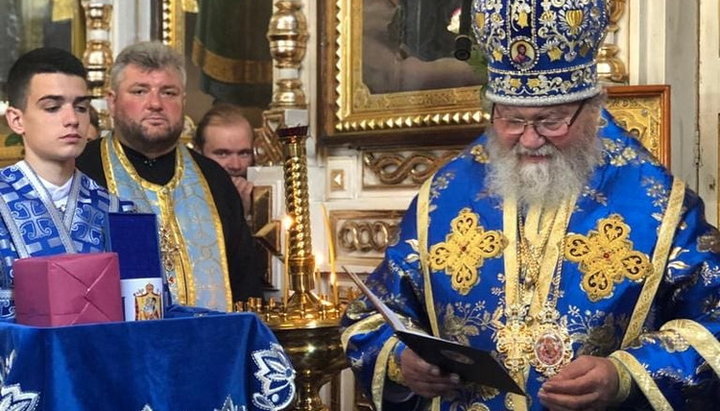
<point x="148" y="304"/>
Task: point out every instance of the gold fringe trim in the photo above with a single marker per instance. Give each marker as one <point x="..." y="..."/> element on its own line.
<point x="512" y="267"/>
<point x="230" y="70"/>
<point x="423" y="222"/>
<point x="107" y="167"/>
<point x="183" y="271"/>
<point x="217" y="225"/>
<point x="373" y="322"/>
<point x="643" y="380"/>
<point x="380" y="372"/>
<point x="662" y="250"/>
<point x="699" y="338"/>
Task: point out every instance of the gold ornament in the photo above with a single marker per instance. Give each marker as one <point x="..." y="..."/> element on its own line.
<point x="606" y="257"/>
<point x="515" y="340"/>
<point x="553" y="347"/>
<point x="464" y="250"/>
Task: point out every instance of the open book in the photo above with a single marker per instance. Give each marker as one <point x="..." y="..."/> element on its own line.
<point x="471" y="364"/>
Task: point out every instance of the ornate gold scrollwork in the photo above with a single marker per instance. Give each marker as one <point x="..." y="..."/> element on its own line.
<point x="268" y="150"/>
<point x="363" y="235"/>
<point x="366" y="236"/>
<point x="396" y="168"/>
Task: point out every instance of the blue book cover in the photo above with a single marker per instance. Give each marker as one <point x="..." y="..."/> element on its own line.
<point x="134" y="237"/>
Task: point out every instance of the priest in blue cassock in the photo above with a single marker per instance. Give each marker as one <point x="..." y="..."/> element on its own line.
<point x="555" y="241"/>
<point x="47" y="206"/>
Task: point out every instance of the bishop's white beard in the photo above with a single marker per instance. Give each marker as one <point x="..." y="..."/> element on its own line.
<point x="548" y="183"/>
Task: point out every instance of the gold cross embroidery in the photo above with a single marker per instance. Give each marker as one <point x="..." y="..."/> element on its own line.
<point x="169" y="249"/>
<point x="606" y="257"/>
<point x="464" y="250"/>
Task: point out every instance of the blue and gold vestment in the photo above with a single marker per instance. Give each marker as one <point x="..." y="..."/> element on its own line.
<point x="637" y="278"/>
<point x="192" y="243"/>
<point x="32" y="226"/>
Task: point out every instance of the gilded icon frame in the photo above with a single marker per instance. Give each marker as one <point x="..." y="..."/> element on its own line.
<point x="349" y="113"/>
<point x="644" y="111"/>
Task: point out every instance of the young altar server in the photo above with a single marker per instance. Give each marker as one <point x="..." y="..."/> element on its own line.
<point x="47" y="206"/>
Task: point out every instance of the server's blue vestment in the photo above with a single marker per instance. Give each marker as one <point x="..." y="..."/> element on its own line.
<point x="31" y="225"/>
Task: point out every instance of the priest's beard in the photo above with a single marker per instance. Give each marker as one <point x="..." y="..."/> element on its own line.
<point x="548" y="183"/>
<point x="139" y="138"/>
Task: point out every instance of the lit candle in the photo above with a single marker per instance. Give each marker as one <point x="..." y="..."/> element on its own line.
<point x="317" y="277"/>
<point x="334" y="288"/>
<point x="331" y="257"/>
<point x="286" y="224"/>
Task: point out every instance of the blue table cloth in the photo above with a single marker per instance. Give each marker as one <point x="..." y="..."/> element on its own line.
<point x="223" y="362"/>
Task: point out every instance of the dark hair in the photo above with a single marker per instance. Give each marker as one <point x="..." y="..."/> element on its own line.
<point x="39" y="61"/>
<point x="219" y="114"/>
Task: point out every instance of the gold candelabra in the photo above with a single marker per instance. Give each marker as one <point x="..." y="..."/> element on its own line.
<point x="306" y="324"/>
<point x="98" y="54"/>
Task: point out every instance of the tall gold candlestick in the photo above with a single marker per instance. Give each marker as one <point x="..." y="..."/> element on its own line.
<point x="308" y="329"/>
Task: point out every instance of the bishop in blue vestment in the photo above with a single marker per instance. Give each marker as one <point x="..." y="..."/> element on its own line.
<point x="555" y="242"/>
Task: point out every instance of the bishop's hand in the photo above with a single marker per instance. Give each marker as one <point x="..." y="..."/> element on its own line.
<point x="426" y="379"/>
<point x="587" y="383"/>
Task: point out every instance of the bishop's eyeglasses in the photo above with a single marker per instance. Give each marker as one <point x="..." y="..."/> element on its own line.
<point x="546" y="127"/>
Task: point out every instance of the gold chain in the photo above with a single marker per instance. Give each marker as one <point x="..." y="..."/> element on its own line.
<point x="531" y="256"/>
<point x="540" y="340"/>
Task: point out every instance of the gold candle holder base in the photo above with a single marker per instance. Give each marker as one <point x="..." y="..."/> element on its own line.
<point x="317" y="355"/>
<point x="308" y="328"/>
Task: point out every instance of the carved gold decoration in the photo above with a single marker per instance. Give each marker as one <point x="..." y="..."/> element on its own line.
<point x="645" y="112"/>
<point x="402" y="169"/>
<point x="606" y="257"/>
<point x="610" y="67"/>
<point x="465" y="249"/>
<point x="97" y="57"/>
<point x="366" y="236"/>
<point x="337" y="180"/>
<point x="287" y="34"/>
<point x="362" y="236"/>
<point x="349" y="109"/>
<point x="268" y="151"/>
<point x="172" y="24"/>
